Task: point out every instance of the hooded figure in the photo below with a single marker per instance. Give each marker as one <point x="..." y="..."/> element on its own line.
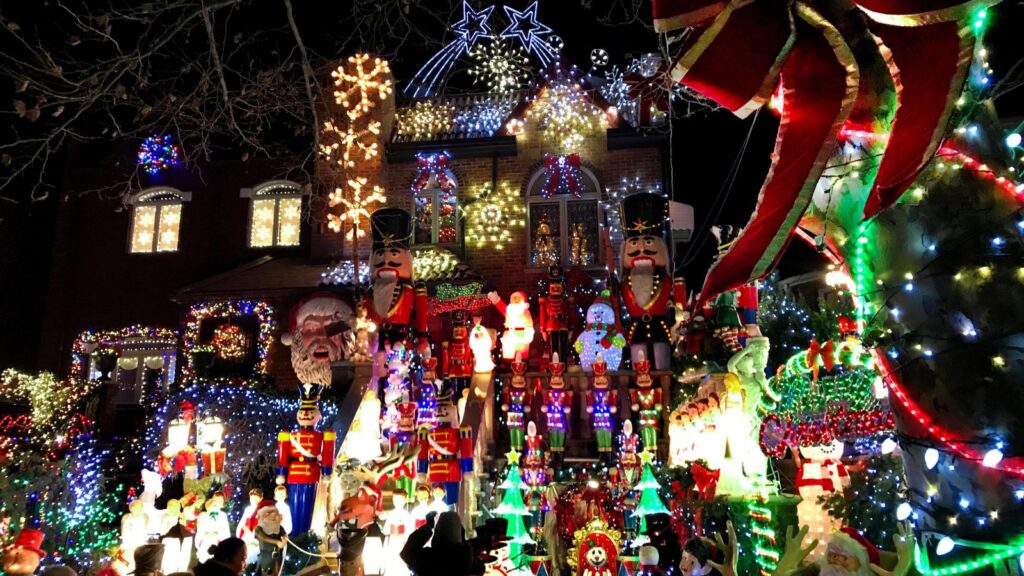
<point x="448" y="555"/>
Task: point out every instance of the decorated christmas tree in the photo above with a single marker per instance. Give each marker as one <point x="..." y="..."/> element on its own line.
<point x="650" y="503"/>
<point x="513" y="509"/>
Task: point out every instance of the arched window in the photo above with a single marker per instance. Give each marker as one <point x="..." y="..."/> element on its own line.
<point x="156" y="220"/>
<point x="564" y="227"/>
<point x="435" y="201"/>
<point x="275" y="214"/>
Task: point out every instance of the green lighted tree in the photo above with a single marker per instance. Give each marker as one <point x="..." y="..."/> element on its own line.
<point x="650" y="502"/>
<point x="513" y="509"/>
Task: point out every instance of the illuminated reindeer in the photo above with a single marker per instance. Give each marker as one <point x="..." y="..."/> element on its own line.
<point x="363" y="485"/>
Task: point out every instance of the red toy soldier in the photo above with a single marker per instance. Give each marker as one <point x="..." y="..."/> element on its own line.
<point x="647" y="400"/>
<point x="557" y="405"/>
<point x="446" y="452"/>
<point x="457" y="356"/>
<point x="303" y="455"/>
<point x="647" y="285"/>
<point x="602" y="403"/>
<point x="554" y="321"/>
<point x="516" y="400"/>
<point x="395" y="305"/>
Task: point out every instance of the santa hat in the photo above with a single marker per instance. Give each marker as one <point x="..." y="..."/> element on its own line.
<point x="321" y="303"/>
<point x="31" y="540"/>
<point x="265" y="505"/>
<point x="851" y="542"/>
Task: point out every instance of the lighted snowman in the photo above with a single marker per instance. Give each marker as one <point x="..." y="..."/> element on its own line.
<point x="600" y="335"/>
<point x="821" y="474"/>
<point x="597" y="562"/>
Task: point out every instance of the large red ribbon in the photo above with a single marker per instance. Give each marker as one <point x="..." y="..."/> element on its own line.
<point x="745" y="47"/>
<point x="432" y="165"/>
<point x="562" y="175"/>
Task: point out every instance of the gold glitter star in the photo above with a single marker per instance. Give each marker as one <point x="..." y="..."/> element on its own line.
<point x="513" y="457"/>
<point x="646" y="457"/>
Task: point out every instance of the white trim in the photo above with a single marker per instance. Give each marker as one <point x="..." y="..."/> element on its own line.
<point x="142" y="196"/>
<point x="263" y="188"/>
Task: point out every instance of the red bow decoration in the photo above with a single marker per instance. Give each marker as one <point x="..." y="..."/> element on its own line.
<point x="826" y="353"/>
<point x="705" y="481"/>
<point x="432" y="165"/>
<point x="562" y="175"/>
<point x="648" y="91"/>
<point x="744" y="48"/>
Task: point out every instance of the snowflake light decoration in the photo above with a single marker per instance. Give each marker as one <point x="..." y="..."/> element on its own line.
<point x="355" y="206"/>
<point x="565" y="114"/>
<point x="493" y="215"/>
<point x="158" y="152"/>
<point x="426" y="120"/>
<point x="616" y="91"/>
<point x="484" y="118"/>
<point x="499" y="66"/>
<point x="361" y="81"/>
<point x="351" y="143"/>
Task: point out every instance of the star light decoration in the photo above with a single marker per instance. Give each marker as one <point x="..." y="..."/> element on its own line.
<point x="499" y="66"/>
<point x="473" y="24"/>
<point x="355" y="206"/>
<point x="493" y="216"/>
<point x="524" y="26"/>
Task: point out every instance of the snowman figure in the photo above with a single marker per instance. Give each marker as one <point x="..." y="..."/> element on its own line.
<point x="821" y="473"/>
<point x="600" y="335"/>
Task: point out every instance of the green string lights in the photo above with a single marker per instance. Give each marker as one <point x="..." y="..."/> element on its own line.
<point x="999" y="553"/>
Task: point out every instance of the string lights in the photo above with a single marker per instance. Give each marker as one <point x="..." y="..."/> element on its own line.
<point x="158" y="153"/>
<point x="493" y="216"/>
<point x="356" y="204"/>
<point x="425" y="120"/>
<point x="499" y="66"/>
<point x="231" y="309"/>
<point x="563" y="110"/>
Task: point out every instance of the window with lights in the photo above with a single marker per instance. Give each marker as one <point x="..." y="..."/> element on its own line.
<point x="435" y="200"/>
<point x="564" y="226"/>
<point x="156" y="220"/>
<point x="275" y="214"/>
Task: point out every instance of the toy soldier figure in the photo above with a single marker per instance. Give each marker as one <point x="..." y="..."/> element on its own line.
<point x="457" y="356"/>
<point x="516" y="403"/>
<point x="303" y="455"/>
<point x="557" y="405"/>
<point x="647" y="400"/>
<point x="395" y="304"/>
<point x="602" y="403"/>
<point x="647" y="286"/>
<point x="446" y="452"/>
<point x="554" y="320"/>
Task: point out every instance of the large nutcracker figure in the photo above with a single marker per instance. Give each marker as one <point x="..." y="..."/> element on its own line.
<point x="516" y="400"/>
<point x="646" y="399"/>
<point x="601" y="404"/>
<point x="457" y="356"/>
<point x="304" y="455"/>
<point x="647" y="287"/>
<point x="557" y="405"/>
<point x="554" y="319"/>
<point x="446" y="452"/>
<point x="395" y="304"/>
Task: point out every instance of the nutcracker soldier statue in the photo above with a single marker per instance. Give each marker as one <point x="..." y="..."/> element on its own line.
<point x="646" y="399"/>
<point x="457" y="356"/>
<point x="394" y="304"/>
<point x="446" y="452"/>
<point x="516" y="402"/>
<point x="557" y="405"/>
<point x="647" y="288"/>
<point x="404" y="436"/>
<point x="534" y="469"/>
<point x="601" y="404"/>
<point x="304" y="455"/>
<point x="629" y="462"/>
<point x="554" y="320"/>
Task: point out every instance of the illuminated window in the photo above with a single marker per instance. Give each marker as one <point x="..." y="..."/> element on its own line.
<point x="564" y="228"/>
<point x="156" y="220"/>
<point x="275" y="218"/>
<point x="437" y="217"/>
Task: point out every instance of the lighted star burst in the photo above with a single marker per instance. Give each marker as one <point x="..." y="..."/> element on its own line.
<point x="426" y="120"/>
<point x="361" y="83"/>
<point x="499" y="66"/>
<point x="355" y="206"/>
<point x="493" y="217"/>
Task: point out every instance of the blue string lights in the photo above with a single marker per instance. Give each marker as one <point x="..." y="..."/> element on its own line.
<point x="158" y="153"/>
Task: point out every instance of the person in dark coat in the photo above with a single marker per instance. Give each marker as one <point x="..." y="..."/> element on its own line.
<point x="448" y="555"/>
<point x="228" y="559"/>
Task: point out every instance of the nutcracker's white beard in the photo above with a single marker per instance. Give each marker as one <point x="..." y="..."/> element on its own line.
<point x="383" y="293"/>
<point x="306" y="367"/>
<point x="827" y="569"/>
<point x="641" y="282"/>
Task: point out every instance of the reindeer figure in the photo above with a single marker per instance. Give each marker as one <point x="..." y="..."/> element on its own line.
<point x="363" y="484"/>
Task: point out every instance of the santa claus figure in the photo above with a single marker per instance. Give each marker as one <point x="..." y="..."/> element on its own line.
<point x="395" y="304"/>
<point x="646" y="399"/>
<point x="601" y="404"/>
<point x="319" y="333"/>
<point x="554" y="318"/>
<point x="303" y="455"/>
<point x="647" y="288"/>
<point x="22" y="558"/>
<point x="272" y="539"/>
<point x="557" y="406"/>
<point x="821" y="473"/>
<point x="848" y="554"/>
<point x="456" y="355"/>
<point x="518" y="324"/>
<point x="516" y="401"/>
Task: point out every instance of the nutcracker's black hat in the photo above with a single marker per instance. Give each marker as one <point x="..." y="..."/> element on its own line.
<point x="644" y="214"/>
<point x="391" y="227"/>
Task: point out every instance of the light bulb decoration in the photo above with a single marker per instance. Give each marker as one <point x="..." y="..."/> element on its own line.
<point x="493" y="216"/>
<point x="563" y="110"/>
<point x="356" y="199"/>
<point x="498" y="66"/>
<point x="158" y="153"/>
<point x="231" y="309"/>
<point x="425" y="120"/>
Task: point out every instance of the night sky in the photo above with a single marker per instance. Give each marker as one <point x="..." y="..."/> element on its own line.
<point x="704" y="146"/>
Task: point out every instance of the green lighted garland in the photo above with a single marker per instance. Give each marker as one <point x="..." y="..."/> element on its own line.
<point x="999" y="554"/>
